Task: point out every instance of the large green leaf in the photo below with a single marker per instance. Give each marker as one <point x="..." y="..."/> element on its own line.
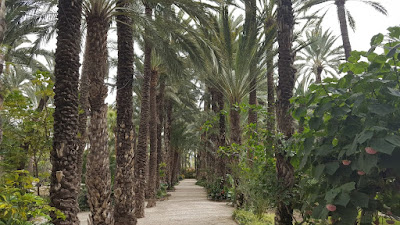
<point x="360" y="199"/>
<point x="381" y="109"/>
<point x="393" y="139"/>
<point x="381" y="145"/>
<point x="331" y="167"/>
<point x="315" y="123"/>
<point x="364" y="136"/>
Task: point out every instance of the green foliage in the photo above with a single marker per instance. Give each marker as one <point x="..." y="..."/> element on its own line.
<point x="244" y="217"/>
<point x="343" y="119"/>
<point x="83" y="199"/>
<point x="28" y="126"/>
<point x="17" y="204"/>
<point x="189" y="173"/>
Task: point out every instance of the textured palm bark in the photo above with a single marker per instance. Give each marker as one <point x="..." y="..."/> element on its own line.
<point x="160" y="122"/>
<point x="221" y="159"/>
<point x="250" y="26"/>
<point x="83" y="113"/>
<point x="318" y="78"/>
<point x="341" y="11"/>
<point x="284" y="169"/>
<point x="124" y="195"/>
<point x="63" y="186"/>
<point x="236" y="133"/>
<point x="175" y="166"/>
<point x="167" y="139"/>
<point x="3" y="27"/>
<point x="140" y="173"/>
<point x="270" y="80"/>
<point x="98" y="175"/>
<point x="153" y="141"/>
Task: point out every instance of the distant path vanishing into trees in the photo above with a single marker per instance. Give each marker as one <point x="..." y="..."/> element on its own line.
<point x="187" y="205"/>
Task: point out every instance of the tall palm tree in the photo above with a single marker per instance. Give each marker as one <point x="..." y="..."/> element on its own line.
<point x="153" y="140"/>
<point x="141" y="152"/>
<point x="284" y="169"/>
<point x="124" y="185"/>
<point x="249" y="33"/>
<point x="98" y="15"/>
<point x="343" y="19"/>
<point x="2" y="31"/>
<point x="63" y="187"/>
<point x="319" y="57"/>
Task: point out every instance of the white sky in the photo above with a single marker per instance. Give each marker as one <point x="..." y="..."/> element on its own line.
<point x="368" y="21"/>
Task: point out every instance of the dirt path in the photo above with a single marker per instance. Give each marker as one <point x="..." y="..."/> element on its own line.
<point x="186" y="206"/>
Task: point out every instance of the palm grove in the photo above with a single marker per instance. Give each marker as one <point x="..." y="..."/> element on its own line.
<point x="268" y="107"/>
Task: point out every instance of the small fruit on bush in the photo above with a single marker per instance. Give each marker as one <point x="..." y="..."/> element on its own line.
<point x="346" y="162"/>
<point x="331" y="207"/>
<point x="361" y="173"/>
<point x="389" y="221"/>
<point x="370" y="150"/>
<point x="309" y="212"/>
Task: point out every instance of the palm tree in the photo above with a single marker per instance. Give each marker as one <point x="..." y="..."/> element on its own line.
<point x="2" y="31"/>
<point x="249" y="33"/>
<point x="63" y="187"/>
<point x="98" y="176"/>
<point x="284" y="170"/>
<point x="141" y="152"/>
<point x="319" y="57"/>
<point x="153" y="140"/>
<point x="124" y="186"/>
<point x="342" y="11"/>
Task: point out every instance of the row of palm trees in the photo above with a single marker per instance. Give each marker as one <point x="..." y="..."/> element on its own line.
<point x="229" y="57"/>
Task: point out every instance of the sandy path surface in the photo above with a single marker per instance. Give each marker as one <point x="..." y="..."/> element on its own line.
<point x="186" y="206"/>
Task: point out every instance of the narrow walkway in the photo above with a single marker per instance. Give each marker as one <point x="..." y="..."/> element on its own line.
<point x="187" y="205"/>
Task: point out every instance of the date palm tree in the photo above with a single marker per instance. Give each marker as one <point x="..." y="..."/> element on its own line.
<point x="320" y="57"/>
<point x="98" y="15"/>
<point x="284" y="169"/>
<point x="345" y="17"/>
<point x="141" y="152"/>
<point x="124" y="185"/>
<point x="63" y="187"/>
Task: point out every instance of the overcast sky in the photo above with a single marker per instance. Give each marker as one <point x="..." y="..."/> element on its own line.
<point x="368" y="21"/>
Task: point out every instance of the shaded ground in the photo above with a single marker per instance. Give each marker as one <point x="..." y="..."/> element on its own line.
<point x="187" y="205"/>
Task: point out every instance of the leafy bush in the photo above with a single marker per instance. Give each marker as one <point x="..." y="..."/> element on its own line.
<point x="351" y="138"/>
<point x="244" y="217"/>
<point x="189" y="173"/>
<point x="17" y="204"/>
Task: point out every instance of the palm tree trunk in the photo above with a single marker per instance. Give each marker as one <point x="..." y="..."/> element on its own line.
<point x="98" y="174"/>
<point x="63" y="187"/>
<point x="124" y="186"/>
<point x="168" y="149"/>
<point x="284" y="169"/>
<point x="83" y="112"/>
<point x="236" y="133"/>
<point x="221" y="161"/>
<point x="343" y="26"/>
<point x="140" y="173"/>
<point x="3" y="26"/>
<point x="160" y="122"/>
<point x="318" y="79"/>
<point x="250" y="33"/>
<point x="153" y="140"/>
<point x="270" y="80"/>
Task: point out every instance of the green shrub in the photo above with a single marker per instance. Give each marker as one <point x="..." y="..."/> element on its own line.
<point x="18" y="205"/>
<point x="244" y="217"/>
<point x="351" y="139"/>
